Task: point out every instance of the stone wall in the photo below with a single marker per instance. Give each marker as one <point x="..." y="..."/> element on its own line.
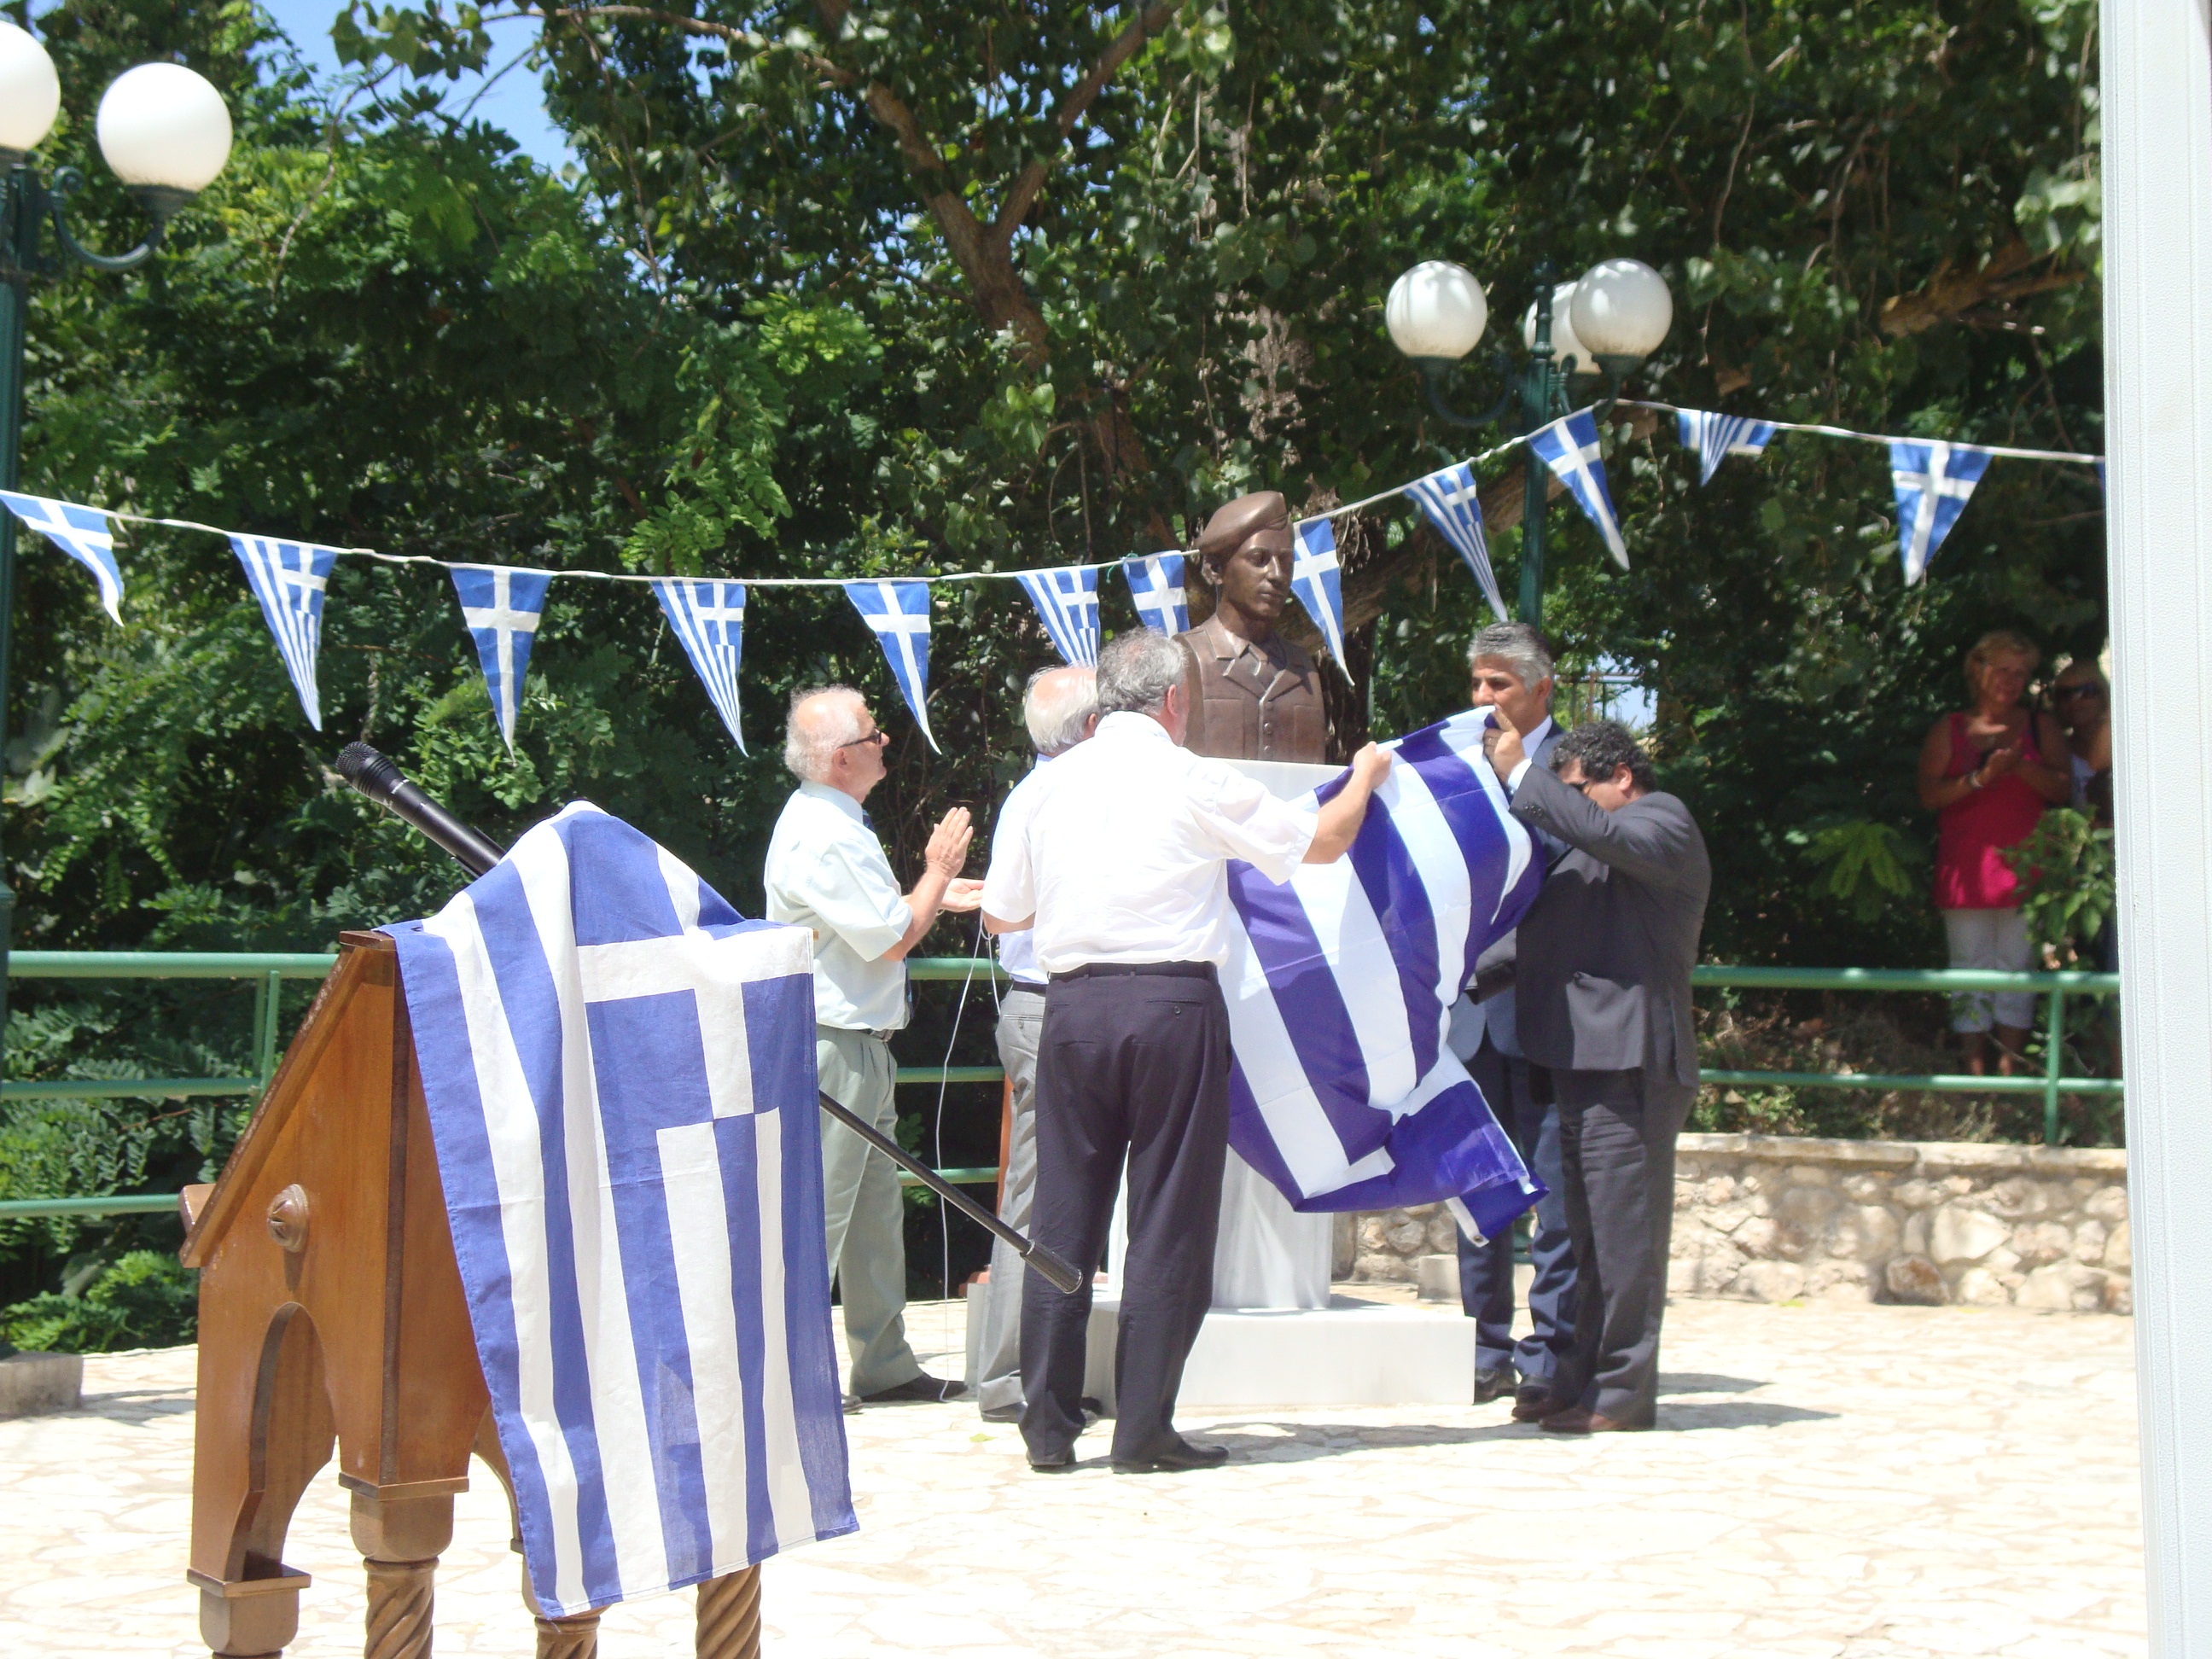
<point x="1773" y="1218"/>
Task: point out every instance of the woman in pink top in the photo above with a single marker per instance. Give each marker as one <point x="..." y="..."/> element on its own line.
<point x="1987" y="772"/>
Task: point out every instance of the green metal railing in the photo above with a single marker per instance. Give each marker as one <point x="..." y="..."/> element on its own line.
<point x="270" y="970"/>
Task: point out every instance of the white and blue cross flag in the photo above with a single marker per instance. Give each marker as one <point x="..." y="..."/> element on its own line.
<point x="709" y="618"/>
<point x="620" y="1076"/>
<point x="1066" y="601"/>
<point x="1933" y="481"/>
<point x="1318" y="581"/>
<point x="83" y="533"/>
<point x="1340" y="984"/>
<point x="289" y="579"/>
<point x="500" y="606"/>
<point x="898" y="614"/>
<point x="1453" y="504"/>
<point x="1716" y="437"/>
<point x="1155" y="584"/>
<point x="1569" y="448"/>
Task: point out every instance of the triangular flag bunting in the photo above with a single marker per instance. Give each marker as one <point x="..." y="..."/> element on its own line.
<point x="1315" y="580"/>
<point x="1716" y="437"/>
<point x="287" y="578"/>
<point x="710" y="619"/>
<point x="898" y="611"/>
<point x="83" y="533"/>
<point x="1450" y="500"/>
<point x="1569" y="448"/>
<point x="1067" y="600"/>
<point x="1933" y="481"/>
<point x="501" y="606"/>
<point x="1156" y="584"/>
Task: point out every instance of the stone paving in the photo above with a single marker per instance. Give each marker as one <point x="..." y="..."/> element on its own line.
<point x="1829" y="1482"/>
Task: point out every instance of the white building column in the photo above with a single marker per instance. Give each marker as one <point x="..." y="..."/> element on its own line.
<point x="2157" y="110"/>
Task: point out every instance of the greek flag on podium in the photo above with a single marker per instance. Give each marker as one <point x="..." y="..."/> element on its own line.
<point x="1066" y="601"/>
<point x="289" y="579"/>
<point x="1340" y="985"/>
<point x="1319" y="584"/>
<point x="709" y="618"/>
<point x="1716" y="437"/>
<point x="1156" y="584"/>
<point x="1933" y="481"/>
<point x="620" y="1076"/>
<point x="83" y="533"/>
<point x="1569" y="448"/>
<point x="501" y="607"/>
<point x="1455" y="507"/>
<point x="898" y="612"/>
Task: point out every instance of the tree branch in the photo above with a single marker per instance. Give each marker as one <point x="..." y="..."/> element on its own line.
<point x="1948" y="295"/>
<point x="1024" y="192"/>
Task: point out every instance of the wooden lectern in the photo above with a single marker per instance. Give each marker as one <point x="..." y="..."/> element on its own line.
<point x="330" y="1309"/>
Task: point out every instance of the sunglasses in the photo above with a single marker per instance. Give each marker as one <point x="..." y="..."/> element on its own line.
<point x="2083" y="690"/>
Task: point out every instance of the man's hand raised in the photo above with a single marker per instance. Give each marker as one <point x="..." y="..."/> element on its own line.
<point x="947" y="853"/>
<point x="1502" y="745"/>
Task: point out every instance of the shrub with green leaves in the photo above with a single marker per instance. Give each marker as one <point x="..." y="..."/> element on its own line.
<point x="145" y="1300"/>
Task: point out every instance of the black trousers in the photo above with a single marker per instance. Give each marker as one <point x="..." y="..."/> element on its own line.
<point x="1134" y="1066"/>
<point x="1617" y="1153"/>
<point x="1486" y="1270"/>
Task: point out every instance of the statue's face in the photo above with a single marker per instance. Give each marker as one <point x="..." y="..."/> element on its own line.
<point x="1256" y="577"/>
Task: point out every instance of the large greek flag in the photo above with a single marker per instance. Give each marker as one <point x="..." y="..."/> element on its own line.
<point x="1340" y="984"/>
<point x="620" y="1076"/>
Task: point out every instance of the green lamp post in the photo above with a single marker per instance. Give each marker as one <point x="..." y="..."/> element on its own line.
<point x="165" y="132"/>
<point x="1608" y="322"/>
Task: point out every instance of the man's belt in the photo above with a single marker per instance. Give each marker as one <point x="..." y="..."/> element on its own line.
<point x="1117" y="969"/>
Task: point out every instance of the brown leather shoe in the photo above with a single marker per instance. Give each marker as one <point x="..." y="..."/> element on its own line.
<point x="1534" y="1406"/>
<point x="1578" y="1421"/>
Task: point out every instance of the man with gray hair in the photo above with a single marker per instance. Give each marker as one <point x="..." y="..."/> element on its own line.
<point x="826" y="870"/>
<point x="1061" y="708"/>
<point x="1120" y="871"/>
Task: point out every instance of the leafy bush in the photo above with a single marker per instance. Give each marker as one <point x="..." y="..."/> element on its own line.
<point x="145" y="1300"/>
<point x="2066" y="875"/>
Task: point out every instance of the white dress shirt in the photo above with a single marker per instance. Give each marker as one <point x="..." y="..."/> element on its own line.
<point x="1123" y="856"/>
<point x="1018" y="950"/>
<point x="1530" y="742"/>
<point x="827" y="871"/>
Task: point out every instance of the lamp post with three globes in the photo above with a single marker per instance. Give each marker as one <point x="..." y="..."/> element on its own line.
<point x="165" y="132"/>
<point x="1607" y="323"/>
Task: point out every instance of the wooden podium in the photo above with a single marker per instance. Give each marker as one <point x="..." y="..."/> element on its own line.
<point x="332" y="1311"/>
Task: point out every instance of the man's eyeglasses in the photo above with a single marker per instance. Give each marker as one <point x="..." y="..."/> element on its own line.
<point x="876" y="736"/>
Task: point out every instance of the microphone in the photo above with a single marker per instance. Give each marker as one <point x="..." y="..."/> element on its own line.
<point x="376" y="777"/>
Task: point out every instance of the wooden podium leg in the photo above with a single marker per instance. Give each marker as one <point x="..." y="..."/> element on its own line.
<point x="400" y="1540"/>
<point x="729" y="1616"/>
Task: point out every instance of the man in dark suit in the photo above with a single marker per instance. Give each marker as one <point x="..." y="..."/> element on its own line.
<point x="1603" y="989"/>
<point x="1509" y="669"/>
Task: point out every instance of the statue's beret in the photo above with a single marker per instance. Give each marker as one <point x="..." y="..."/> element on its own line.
<point x="1233" y="524"/>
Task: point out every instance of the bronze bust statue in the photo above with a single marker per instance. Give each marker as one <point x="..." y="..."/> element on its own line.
<point x="1253" y="694"/>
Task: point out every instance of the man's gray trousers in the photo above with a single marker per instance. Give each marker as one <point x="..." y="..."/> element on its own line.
<point x="864" y="1209"/>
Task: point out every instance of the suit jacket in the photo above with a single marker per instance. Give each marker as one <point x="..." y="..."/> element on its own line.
<point x="1495" y="969"/>
<point x="1606" y="951"/>
<point x="1252" y="702"/>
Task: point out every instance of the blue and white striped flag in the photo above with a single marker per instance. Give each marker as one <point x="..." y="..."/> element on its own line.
<point x="289" y="579"/>
<point x="1066" y="601"/>
<point x="709" y="618"/>
<point x="1340" y="985"/>
<point x="1569" y="448"/>
<point x="1716" y="437"/>
<point x="501" y="607"/>
<point x="898" y="611"/>
<point x="1319" y="584"/>
<point x="1933" y="481"/>
<point x="1156" y="584"/>
<point x="83" y="533"/>
<point x="1455" y="507"/>
<point x="620" y="1076"/>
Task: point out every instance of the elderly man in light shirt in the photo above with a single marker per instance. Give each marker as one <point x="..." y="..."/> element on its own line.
<point x="1060" y="710"/>
<point x="1121" y="872"/>
<point x="826" y="870"/>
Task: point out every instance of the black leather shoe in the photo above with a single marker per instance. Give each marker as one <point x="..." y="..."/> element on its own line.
<point x="1533" y="1402"/>
<point x="924" y="1388"/>
<point x="852" y="1403"/>
<point x="1491" y="1385"/>
<point x="1179" y="1456"/>
<point x="1059" y="1462"/>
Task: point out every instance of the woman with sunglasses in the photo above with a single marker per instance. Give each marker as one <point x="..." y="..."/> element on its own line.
<point x="2083" y="703"/>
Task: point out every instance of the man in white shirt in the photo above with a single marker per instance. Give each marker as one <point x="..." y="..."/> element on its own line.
<point x="1060" y="710"/>
<point x="826" y="870"/>
<point x="1121" y="873"/>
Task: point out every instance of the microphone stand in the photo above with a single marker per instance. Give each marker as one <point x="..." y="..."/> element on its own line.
<point x="375" y="776"/>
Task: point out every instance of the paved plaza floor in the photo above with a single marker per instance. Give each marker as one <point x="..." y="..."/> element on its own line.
<point x="1868" y="1483"/>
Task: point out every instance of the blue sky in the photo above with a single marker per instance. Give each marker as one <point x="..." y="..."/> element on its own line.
<point x="515" y="101"/>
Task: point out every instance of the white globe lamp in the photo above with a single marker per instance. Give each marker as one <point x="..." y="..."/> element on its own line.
<point x="1622" y="309"/>
<point x="30" y="91"/>
<point x="1566" y="342"/>
<point x="1436" y="310"/>
<point x="166" y="133"/>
